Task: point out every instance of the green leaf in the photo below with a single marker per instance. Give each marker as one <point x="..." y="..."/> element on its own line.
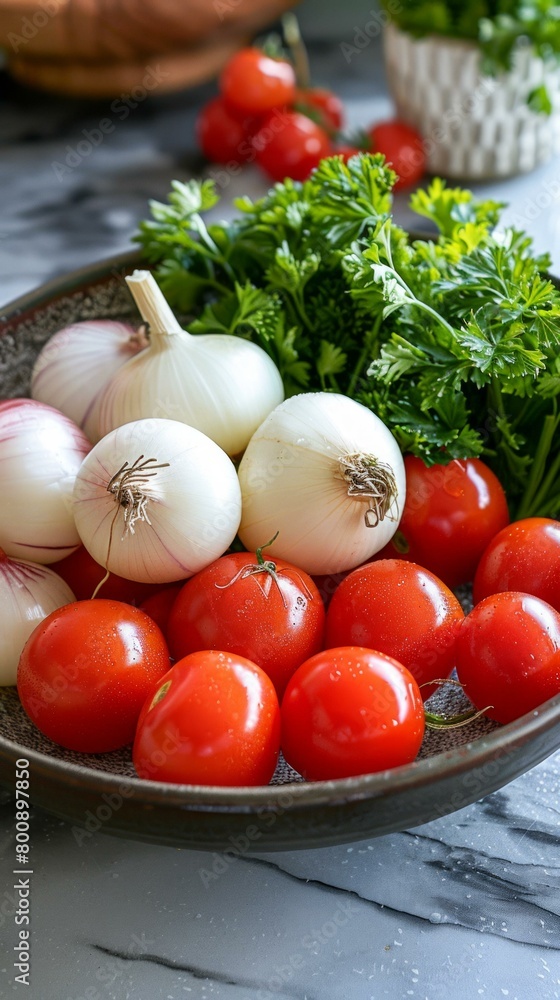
<point x="331" y="360"/>
<point x="452" y="210"/>
<point x="181" y="287"/>
<point x="193" y="196"/>
<point x="539" y="100"/>
<point x="549" y="386"/>
<point x="399" y="357"/>
<point x="348" y="198"/>
<point x="498" y="350"/>
<point x="295" y="372"/>
<point x="436" y="434"/>
<point x="246" y="312"/>
<point x="290" y="273"/>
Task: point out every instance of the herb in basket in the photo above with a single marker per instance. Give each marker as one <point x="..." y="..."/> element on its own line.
<point x="498" y="28"/>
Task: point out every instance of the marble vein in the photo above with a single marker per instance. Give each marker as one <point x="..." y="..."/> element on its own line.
<point x="197" y="972"/>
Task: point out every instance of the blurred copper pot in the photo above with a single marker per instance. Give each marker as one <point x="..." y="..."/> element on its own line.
<point x="98" y="48"/>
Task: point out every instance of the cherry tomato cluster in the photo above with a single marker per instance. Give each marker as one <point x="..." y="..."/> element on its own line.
<point x="332" y="671"/>
<point x="456" y="523"/>
<point x="263" y="116"/>
<point x="248" y="635"/>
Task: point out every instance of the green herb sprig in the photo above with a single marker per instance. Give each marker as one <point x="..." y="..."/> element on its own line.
<point x="453" y="340"/>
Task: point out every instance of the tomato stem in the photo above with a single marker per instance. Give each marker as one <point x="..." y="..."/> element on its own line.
<point x="268" y="567"/>
<point x="259" y="554"/>
<point x="160" y="693"/>
<point x="298" y="51"/>
<point x="435" y="721"/>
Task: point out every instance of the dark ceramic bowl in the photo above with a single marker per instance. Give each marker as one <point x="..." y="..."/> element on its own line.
<point x="101" y="792"/>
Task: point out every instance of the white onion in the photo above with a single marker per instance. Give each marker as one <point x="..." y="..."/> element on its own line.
<point x="326" y="474"/>
<point x="28" y="593"/>
<point x="173" y="514"/>
<point x="41" y="451"/>
<point x="76" y="364"/>
<point x="222" y="385"/>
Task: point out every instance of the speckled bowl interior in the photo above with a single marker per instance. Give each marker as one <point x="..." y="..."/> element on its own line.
<point x="454" y="767"/>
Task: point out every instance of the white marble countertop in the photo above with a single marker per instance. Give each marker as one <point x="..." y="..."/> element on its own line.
<point x="467" y="906"/>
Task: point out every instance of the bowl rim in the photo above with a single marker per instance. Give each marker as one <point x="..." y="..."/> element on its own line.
<point x="66" y="283"/>
<point x="500" y="742"/>
<point x="448" y="763"/>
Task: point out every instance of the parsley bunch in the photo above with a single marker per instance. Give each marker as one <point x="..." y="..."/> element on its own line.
<point x="453" y="340"/>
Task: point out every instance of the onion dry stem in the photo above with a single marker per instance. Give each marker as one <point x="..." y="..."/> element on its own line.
<point x="128" y="488"/>
<point x="368" y="477"/>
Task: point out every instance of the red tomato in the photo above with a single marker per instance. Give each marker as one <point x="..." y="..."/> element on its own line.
<point x="508" y="655"/>
<point x="159" y="605"/>
<point x="351" y="711"/>
<point x="402" y="610"/>
<point x="223" y="137"/>
<point x="86" y="670"/>
<point x="269" y="612"/>
<point x="346" y="151"/>
<point x="82" y="574"/>
<point x="403" y="148"/>
<point x="214" y="719"/>
<point x="450" y="514"/>
<point x="523" y="556"/>
<point x="252" y="83"/>
<point x="322" y="105"/>
<point x="289" y="144"/>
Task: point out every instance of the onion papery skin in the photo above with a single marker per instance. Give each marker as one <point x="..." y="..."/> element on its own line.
<point x="292" y="483"/>
<point x="76" y="364"/>
<point x="28" y="593"/>
<point x="194" y="503"/>
<point x="221" y="385"/>
<point x="41" y="451"/>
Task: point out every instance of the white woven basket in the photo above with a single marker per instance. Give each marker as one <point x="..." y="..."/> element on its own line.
<point x="475" y="127"/>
